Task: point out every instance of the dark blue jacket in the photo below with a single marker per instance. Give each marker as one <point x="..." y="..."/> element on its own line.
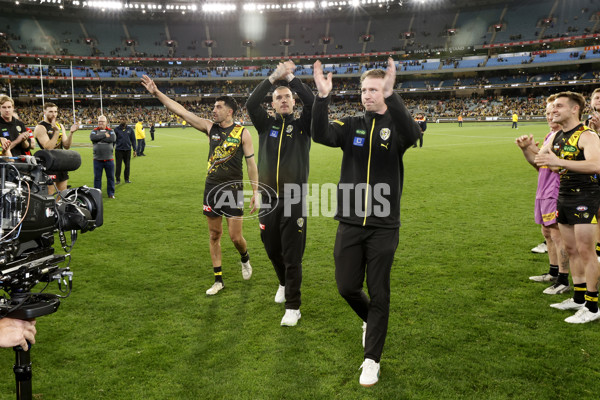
<point x="125" y="138"/>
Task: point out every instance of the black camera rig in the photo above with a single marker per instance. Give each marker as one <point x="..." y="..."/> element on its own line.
<point x="29" y="218"/>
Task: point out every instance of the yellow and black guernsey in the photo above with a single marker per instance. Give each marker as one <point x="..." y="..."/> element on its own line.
<point x="566" y="146"/>
<point x="225" y="155"/>
<point x="51" y="132"/>
<point x="284" y="141"/>
<point x="372" y="172"/>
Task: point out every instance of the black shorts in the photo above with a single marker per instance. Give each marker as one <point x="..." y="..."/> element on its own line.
<point x="223" y="200"/>
<point x="59" y="176"/>
<point x="580" y="209"/>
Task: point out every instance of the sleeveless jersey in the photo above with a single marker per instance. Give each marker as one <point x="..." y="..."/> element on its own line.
<point x="51" y="131"/>
<point x="566" y="146"/>
<point x="225" y="155"/>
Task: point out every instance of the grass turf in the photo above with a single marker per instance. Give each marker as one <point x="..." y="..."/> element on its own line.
<point x="465" y="321"/>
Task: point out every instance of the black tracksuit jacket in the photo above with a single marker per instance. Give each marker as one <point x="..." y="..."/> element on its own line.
<point x="373" y="147"/>
<point x="284" y="142"/>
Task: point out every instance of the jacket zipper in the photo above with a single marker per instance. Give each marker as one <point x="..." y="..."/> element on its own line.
<point x="368" y="171"/>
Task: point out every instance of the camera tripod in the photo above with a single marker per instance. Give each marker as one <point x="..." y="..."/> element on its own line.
<point x="44" y="304"/>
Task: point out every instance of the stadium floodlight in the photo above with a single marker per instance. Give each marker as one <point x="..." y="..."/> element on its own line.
<point x="218" y="7"/>
<point x="111" y="5"/>
<point x="355" y="3"/>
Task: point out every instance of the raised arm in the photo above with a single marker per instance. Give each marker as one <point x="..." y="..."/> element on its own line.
<point x="408" y="128"/>
<point x="68" y="139"/>
<point x="202" y="124"/>
<point x="248" y="148"/>
<point x="329" y="134"/>
<point x="258" y="115"/>
<point x="529" y="147"/>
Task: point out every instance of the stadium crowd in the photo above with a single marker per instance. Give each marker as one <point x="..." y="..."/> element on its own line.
<point x="432" y="108"/>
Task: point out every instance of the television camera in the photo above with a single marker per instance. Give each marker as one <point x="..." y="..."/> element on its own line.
<point x="29" y="218"/>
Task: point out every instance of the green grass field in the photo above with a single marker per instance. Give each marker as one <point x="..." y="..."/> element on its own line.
<point x="465" y="320"/>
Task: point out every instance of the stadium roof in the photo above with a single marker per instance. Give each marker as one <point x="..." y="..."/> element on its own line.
<point x="201" y="7"/>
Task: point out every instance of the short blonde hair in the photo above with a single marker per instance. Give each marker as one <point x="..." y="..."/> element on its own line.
<point x="372" y="73"/>
<point x="5" y="98"/>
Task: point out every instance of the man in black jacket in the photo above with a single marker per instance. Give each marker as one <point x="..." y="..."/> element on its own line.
<point x="283" y="162"/>
<point x="125" y="142"/>
<point x="368" y="198"/>
<point x="11" y="128"/>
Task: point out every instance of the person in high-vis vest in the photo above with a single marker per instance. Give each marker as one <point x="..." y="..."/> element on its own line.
<point x="140" y="135"/>
<point x="223" y="190"/>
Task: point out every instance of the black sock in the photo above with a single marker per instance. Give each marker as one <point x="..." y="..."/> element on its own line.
<point x="553" y="270"/>
<point x="598" y="249"/>
<point x="563" y="278"/>
<point x="218" y="274"/>
<point x="591" y="301"/>
<point x="579" y="293"/>
<point x="245" y="256"/>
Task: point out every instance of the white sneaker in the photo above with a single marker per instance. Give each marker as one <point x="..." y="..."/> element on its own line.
<point x="364" y="337"/>
<point x="557" y="288"/>
<point x="540" y="248"/>
<point x="568" y="304"/>
<point x="370" y="373"/>
<point x="280" y="295"/>
<point x="290" y="318"/>
<point x="215" y="288"/>
<point x="543" y="278"/>
<point x="246" y="270"/>
<point x="583" y="316"/>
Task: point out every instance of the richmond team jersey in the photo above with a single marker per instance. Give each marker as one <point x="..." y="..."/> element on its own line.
<point x="50" y="130"/>
<point x="566" y="146"/>
<point x="225" y="155"/>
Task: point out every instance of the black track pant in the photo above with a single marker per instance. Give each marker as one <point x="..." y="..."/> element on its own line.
<point x="122" y="156"/>
<point x="366" y="250"/>
<point x="283" y="233"/>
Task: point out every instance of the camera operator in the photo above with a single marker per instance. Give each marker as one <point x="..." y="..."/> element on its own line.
<point x="11" y="128"/>
<point x="17" y="332"/>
